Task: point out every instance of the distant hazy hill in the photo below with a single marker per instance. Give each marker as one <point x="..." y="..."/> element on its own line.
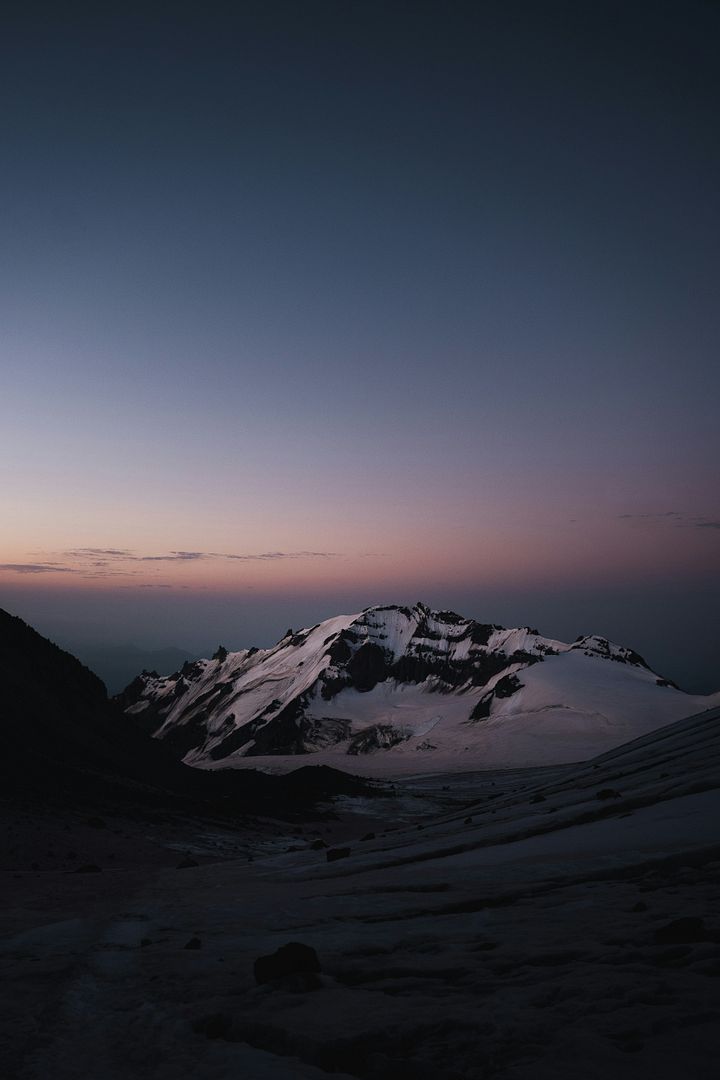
<point x="118" y="664"/>
<point x="410" y="689"/>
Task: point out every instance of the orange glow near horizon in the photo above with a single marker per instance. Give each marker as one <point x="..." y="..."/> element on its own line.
<point x="613" y="550"/>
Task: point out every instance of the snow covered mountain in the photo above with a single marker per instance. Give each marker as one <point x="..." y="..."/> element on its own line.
<point x="408" y="689"/>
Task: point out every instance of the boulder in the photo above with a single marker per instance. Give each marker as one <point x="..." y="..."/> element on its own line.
<point x="684" y="931"/>
<point x="291" y="959"/>
<point x="333" y="854"/>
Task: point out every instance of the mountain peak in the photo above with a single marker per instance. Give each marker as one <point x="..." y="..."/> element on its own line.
<point x="394" y="680"/>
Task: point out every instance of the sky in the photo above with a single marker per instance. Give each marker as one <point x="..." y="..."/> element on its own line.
<point x="310" y="306"/>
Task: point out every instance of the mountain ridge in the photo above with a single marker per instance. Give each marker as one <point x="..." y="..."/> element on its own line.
<point x="394" y="680"/>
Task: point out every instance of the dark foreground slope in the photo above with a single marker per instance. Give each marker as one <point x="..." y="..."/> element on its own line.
<point x="65" y="744"/>
<point x="59" y="731"/>
<point x="564" y="924"/>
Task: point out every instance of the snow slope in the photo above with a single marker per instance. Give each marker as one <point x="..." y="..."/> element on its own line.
<point x="396" y="690"/>
<point x="533" y="930"/>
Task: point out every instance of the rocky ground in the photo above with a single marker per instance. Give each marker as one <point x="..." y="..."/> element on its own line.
<point x="541" y="923"/>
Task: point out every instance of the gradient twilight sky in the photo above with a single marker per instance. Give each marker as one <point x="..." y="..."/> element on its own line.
<point x="311" y="305"/>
